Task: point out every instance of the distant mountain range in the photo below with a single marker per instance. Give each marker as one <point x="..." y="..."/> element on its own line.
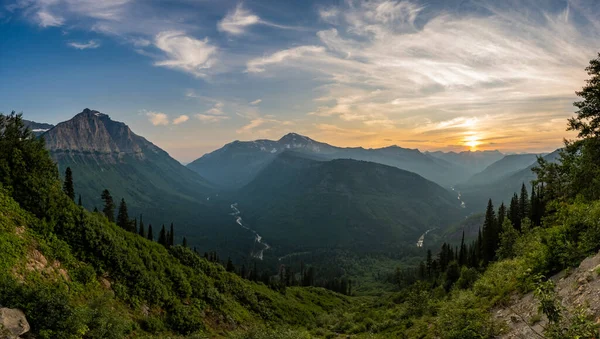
<point x="237" y="163"/>
<point x="472" y="162"/>
<point x="503" y="179"/>
<point x="301" y="203"/>
<point x="36" y="127"/>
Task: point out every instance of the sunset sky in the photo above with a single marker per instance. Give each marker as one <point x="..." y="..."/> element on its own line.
<point x="191" y="76"/>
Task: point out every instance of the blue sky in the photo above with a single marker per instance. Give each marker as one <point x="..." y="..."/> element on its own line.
<point x="193" y="75"/>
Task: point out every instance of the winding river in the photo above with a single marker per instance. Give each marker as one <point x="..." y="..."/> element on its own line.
<point x="259" y="245"/>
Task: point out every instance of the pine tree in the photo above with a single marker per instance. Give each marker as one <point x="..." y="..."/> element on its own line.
<point x="489" y="234"/>
<point x="171" y="238"/>
<point x="501" y="213"/>
<point x="524" y="203"/>
<point x="184" y="243"/>
<point x="514" y="212"/>
<point x="429" y="263"/>
<point x="109" y="206"/>
<point x="79" y="202"/>
<point x="150" y="234"/>
<point x="123" y="216"/>
<point x="462" y="252"/>
<point x="142" y="231"/>
<point x="229" y="267"/>
<point x="68" y="187"/>
<point x="162" y="236"/>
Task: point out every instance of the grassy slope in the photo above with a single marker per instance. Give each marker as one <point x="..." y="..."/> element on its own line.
<point x="58" y="282"/>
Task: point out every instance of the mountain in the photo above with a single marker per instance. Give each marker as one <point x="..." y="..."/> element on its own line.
<point x="503" y="167"/>
<point x="297" y="203"/>
<point x="472" y="162"/>
<point x="37" y="128"/>
<point x="502" y="188"/>
<point x="237" y="163"/>
<point x="104" y="153"/>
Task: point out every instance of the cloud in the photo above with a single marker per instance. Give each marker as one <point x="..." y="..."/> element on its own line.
<point x="399" y="64"/>
<point x="217" y="109"/>
<point x="85" y="45"/>
<point x="45" y="19"/>
<point x="239" y="19"/>
<point x="258" y="65"/>
<point x="43" y="12"/>
<point x="180" y="119"/>
<point x="268" y="122"/>
<point x="207" y="118"/>
<point x="256" y="102"/>
<point x="185" y="53"/>
<point x="236" y="21"/>
<point x="158" y="118"/>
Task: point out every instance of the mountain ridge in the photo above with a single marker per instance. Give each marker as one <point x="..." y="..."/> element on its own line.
<point x="237" y="163"/>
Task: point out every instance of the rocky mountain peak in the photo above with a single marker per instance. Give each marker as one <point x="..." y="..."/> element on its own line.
<point x="93" y="131"/>
<point x="294" y="138"/>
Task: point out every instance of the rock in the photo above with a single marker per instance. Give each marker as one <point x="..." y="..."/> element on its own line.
<point x="12" y="323"/>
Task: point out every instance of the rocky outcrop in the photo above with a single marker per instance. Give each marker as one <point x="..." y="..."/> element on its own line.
<point x="13" y="323"/>
<point x="92" y="132"/>
<point x="579" y="287"/>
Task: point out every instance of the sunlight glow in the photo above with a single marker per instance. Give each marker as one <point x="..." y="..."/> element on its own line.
<point x="472" y="141"/>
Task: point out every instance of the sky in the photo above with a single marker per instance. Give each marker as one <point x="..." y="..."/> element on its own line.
<point x="193" y="75"/>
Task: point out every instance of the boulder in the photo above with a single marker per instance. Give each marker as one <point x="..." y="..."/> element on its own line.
<point x="12" y="323"/>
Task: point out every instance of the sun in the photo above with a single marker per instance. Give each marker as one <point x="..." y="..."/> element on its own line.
<point x="472" y="141"/>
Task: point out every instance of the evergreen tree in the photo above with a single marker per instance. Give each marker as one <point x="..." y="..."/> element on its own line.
<point x="501" y="213"/>
<point x="142" y="231"/>
<point x="79" y="202"/>
<point x="462" y="252"/>
<point x="229" y="267"/>
<point x="68" y="187"/>
<point x="172" y="236"/>
<point x="514" y="212"/>
<point x="95" y="209"/>
<point x="489" y="234"/>
<point x="428" y="263"/>
<point x="243" y="271"/>
<point x="524" y="203"/>
<point x="123" y="216"/>
<point x="162" y="236"/>
<point x="508" y="237"/>
<point x="184" y="243"/>
<point x="109" y="206"/>
<point x="150" y="234"/>
<point x="23" y="157"/>
<point x="578" y="169"/>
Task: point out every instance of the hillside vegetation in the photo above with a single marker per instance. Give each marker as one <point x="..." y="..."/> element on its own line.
<point x="76" y="275"/>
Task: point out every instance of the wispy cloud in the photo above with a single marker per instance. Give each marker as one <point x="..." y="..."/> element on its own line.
<point x="256" y="102"/>
<point x="46" y="19"/>
<point x="158" y="118"/>
<point x="258" y="65"/>
<point x="207" y="118"/>
<point x="394" y="64"/>
<point x="181" y="119"/>
<point x="237" y="20"/>
<point x="85" y="45"/>
<point x="185" y="53"/>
